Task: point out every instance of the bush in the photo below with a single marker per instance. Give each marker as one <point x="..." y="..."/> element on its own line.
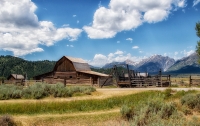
<point x="167" y="110"/>
<point x="127" y="112"/>
<point x="145" y="113"/>
<point x="40" y="90"/>
<point x="167" y="93"/>
<point x="7" y="120"/>
<point x="191" y="100"/>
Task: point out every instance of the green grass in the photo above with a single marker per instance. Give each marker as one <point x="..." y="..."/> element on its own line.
<point x="40" y="107"/>
<point x="40" y="90"/>
<point x="163" y="111"/>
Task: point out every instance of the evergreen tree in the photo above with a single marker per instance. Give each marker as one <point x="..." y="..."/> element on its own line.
<point x="197" y="28"/>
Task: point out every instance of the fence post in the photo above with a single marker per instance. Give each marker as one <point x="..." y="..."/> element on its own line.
<point x="190" y="81"/>
<point x="65" y="81"/>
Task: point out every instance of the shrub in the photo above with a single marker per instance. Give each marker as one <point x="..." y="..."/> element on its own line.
<point x="144" y="113"/>
<point x="41" y="90"/>
<point x="191" y="100"/>
<point x="36" y="91"/>
<point x="7" y="120"/>
<point x="167" y="110"/>
<point x="167" y="93"/>
<point x="127" y="112"/>
<point x="186" y="111"/>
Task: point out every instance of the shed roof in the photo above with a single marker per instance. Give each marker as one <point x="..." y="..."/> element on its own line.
<point x="17" y="76"/>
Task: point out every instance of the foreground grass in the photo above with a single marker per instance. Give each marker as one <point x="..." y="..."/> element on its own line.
<point x="151" y="108"/>
<point x="41" y="107"/>
<point x="91" y="119"/>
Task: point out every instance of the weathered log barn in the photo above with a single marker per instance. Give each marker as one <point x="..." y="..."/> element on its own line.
<point x="69" y="70"/>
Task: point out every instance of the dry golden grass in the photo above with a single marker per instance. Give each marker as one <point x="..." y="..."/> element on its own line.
<point x="99" y="118"/>
<point x="96" y="118"/>
<point x="99" y="94"/>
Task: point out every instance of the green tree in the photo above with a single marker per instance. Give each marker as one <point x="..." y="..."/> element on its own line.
<point x="197" y="28"/>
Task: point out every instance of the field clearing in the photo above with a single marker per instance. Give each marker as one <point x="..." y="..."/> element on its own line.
<point x="83" y="118"/>
<point x="100" y="93"/>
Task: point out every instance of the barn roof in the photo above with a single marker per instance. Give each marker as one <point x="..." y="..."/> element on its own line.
<point x="94" y="73"/>
<point x="76" y="60"/>
<point x="78" y="63"/>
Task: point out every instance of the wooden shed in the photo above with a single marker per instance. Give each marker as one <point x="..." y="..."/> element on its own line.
<point x="73" y="71"/>
<point x="13" y="77"/>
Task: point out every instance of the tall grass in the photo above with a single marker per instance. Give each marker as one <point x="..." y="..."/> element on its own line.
<point x="39" y="90"/>
<point x="40" y="107"/>
<point x="160" y="111"/>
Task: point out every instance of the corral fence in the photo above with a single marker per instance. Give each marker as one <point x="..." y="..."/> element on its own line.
<point x="194" y="81"/>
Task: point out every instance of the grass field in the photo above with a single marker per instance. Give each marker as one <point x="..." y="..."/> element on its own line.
<point x="108" y="106"/>
<point x="101" y="108"/>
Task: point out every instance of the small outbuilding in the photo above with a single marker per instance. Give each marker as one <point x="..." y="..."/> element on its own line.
<point x="70" y="70"/>
<point x="13" y="77"/>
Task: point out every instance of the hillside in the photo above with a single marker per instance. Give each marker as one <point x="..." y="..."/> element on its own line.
<point x="13" y="65"/>
<point x="186" y="65"/>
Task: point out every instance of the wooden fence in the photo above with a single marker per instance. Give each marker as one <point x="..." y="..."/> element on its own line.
<point x="194" y="81"/>
<point x="158" y="80"/>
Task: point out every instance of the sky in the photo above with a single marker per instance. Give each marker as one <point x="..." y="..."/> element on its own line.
<point x="98" y="31"/>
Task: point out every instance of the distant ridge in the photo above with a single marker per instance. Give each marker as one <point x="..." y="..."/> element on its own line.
<point x="187" y="64"/>
<point x="14" y="65"/>
<point x="151" y="64"/>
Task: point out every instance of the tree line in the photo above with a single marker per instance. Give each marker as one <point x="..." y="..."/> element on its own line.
<point x="14" y="65"/>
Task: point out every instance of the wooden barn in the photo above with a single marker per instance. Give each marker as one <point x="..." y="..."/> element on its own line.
<point x="69" y="70"/>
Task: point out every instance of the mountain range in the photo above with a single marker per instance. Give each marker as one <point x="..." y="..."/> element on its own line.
<point x="189" y="64"/>
<point x="154" y="63"/>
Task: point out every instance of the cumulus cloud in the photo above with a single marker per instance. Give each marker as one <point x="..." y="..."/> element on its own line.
<point x="129" y="39"/>
<point x="187" y="53"/>
<point x="70" y="46"/>
<point x="195" y="2"/>
<point x="118" y="56"/>
<point x="135" y="47"/>
<point x="123" y="15"/>
<point x="22" y="33"/>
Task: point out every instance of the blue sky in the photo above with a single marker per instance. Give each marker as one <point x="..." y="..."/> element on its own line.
<point x="98" y="31"/>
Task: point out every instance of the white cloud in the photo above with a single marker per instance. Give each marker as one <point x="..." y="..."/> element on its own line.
<point x="135" y="47"/>
<point x="119" y="52"/>
<point x="129" y="39"/>
<point x="22" y="33"/>
<point x="118" y="56"/>
<point x="195" y="2"/>
<point x="187" y="53"/>
<point x="176" y="53"/>
<point x="123" y="15"/>
<point x="74" y="15"/>
<point x="70" y="46"/>
<point x="155" y="15"/>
